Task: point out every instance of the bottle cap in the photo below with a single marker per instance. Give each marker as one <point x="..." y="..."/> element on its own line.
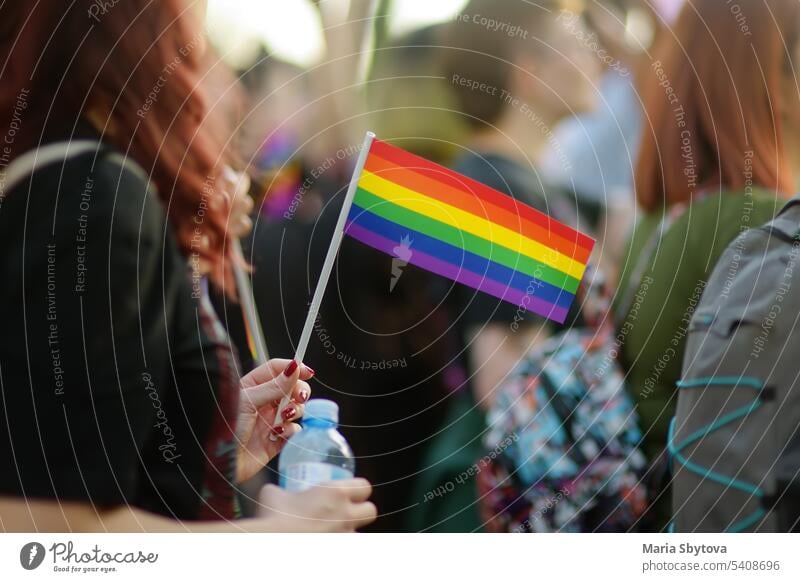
<point x="322" y="409"/>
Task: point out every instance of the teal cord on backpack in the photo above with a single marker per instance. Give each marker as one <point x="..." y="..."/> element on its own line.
<point x="707" y="473"/>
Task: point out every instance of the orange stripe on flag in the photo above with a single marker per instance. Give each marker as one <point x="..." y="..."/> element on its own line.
<point x="404" y="159"/>
<point x="470" y="202"/>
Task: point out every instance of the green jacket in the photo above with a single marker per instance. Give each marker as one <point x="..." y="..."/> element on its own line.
<point x="657" y="311"/>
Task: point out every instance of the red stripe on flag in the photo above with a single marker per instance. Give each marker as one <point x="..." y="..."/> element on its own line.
<point x="468" y="202"/>
<point x="455" y="180"/>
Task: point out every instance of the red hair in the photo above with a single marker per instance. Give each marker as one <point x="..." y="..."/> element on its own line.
<point x="714" y="101"/>
<point x="133" y="67"/>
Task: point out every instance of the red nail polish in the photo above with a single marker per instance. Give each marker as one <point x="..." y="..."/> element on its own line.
<point x="310" y="371"/>
<point x="289" y="412"/>
<point x="290" y="369"/>
<point x="278" y="430"/>
<point x="303" y="396"/>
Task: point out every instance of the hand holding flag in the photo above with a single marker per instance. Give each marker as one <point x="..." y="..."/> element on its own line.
<point x="461" y="229"/>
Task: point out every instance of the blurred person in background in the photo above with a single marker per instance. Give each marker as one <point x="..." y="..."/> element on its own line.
<point x="276" y="126"/>
<point x="514" y="74"/>
<point x="718" y="156"/>
<point x="599" y="147"/>
<point x="593" y="141"/>
<point x="122" y="406"/>
<point x="394" y="328"/>
<point x="512" y="89"/>
<point x="410" y="100"/>
<point x="385" y="352"/>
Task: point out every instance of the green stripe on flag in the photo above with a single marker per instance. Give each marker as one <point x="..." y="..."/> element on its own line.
<point x="464" y="240"/>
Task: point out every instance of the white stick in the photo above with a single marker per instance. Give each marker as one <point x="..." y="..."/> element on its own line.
<point x="333" y="250"/>
<point x="245" y="288"/>
<point x="330" y="259"/>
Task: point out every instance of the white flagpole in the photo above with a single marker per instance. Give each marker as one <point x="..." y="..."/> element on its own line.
<point x="245" y="288"/>
<point x="330" y="259"/>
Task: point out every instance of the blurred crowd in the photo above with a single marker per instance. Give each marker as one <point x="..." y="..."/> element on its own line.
<point x="612" y="116"/>
<point x="544" y="104"/>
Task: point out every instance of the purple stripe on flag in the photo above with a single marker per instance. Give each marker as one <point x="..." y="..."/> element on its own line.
<point x="523" y="300"/>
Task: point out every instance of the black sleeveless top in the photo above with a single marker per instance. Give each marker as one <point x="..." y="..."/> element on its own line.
<point x="117" y="383"/>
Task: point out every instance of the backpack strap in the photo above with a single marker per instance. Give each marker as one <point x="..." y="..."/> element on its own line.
<point x="794" y="201"/>
<point x="30" y="162"/>
<point x="786" y="225"/>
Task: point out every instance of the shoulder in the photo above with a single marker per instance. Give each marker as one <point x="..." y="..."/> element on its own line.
<point x="97" y="187"/>
<point x="766" y="205"/>
<point x="712" y="223"/>
<point x="722" y="217"/>
<point x="112" y="190"/>
<point x="495" y="171"/>
<point x="740" y="206"/>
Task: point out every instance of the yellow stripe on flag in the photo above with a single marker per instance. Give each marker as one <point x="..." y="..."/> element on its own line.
<point x="452" y="216"/>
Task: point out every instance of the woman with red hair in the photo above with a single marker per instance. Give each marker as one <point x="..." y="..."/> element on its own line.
<point x="717" y="157"/>
<point x="122" y="408"/>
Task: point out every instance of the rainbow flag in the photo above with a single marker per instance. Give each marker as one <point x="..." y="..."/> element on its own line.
<point x="426" y="215"/>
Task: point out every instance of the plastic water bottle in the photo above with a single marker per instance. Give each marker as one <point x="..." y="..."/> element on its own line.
<point x="318" y="453"/>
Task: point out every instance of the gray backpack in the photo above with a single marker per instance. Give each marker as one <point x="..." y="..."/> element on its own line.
<point x="734" y="441"/>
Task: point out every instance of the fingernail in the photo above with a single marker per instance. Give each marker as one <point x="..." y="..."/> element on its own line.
<point x="289" y="412"/>
<point x="290" y="369"/>
<point x="303" y="396"/>
<point x="278" y="430"/>
<point x="310" y="371"/>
